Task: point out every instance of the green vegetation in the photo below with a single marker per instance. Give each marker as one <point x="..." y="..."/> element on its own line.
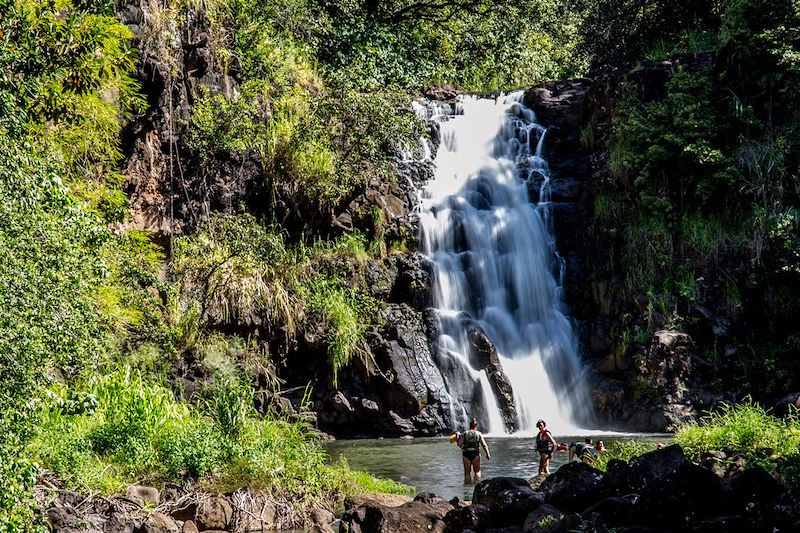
<point x="748" y="431"/>
<point x="114" y="430"/>
<point x="239" y="271"/>
<point x="347" y="315"/>
<point x="481" y="45"/>
<point x="97" y="319"/>
<point x="705" y="182"/>
<point x="617" y="31"/>
<point x="745" y="430"/>
<point x="55" y="202"/>
<point x="623" y="450"/>
<point x="96" y="308"/>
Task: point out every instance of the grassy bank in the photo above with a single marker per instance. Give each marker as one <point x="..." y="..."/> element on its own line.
<point x="113" y="430"/>
<point x="745" y="430"/>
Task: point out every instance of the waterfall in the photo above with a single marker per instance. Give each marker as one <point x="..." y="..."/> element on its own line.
<point x="496" y="272"/>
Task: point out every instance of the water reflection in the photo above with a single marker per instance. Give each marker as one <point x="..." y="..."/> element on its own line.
<point x="434" y="464"/>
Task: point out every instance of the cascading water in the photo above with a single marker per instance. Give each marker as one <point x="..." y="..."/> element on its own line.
<point x="496" y="271"/>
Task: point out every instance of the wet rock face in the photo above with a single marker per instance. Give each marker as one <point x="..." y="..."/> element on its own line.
<point x="644" y="385"/>
<point x="483" y="356"/>
<point x="563" y="109"/>
<point x="397" y="390"/>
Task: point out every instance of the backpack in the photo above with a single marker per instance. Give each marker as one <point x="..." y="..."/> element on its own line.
<point x="543" y="444"/>
<point x="471" y="441"/>
<point x="588" y="455"/>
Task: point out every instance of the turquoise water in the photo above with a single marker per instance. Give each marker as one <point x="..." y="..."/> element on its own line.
<point x="434" y="464"/>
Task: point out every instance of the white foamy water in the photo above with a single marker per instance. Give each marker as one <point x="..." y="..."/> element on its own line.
<point x="495" y="267"/>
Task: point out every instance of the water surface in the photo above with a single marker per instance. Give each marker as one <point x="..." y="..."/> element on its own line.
<point x="434" y="464"/>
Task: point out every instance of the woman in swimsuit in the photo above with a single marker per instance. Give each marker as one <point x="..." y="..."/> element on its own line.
<point x="471" y="442"/>
<point x="545" y="444"/>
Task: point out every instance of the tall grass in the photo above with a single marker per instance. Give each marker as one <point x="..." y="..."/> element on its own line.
<point x="239" y="270"/>
<point x="746" y="429"/>
<point x="138" y="431"/>
<point x="751" y="432"/>
<point x="242" y="271"/>
<point x="623" y="450"/>
<point x="229" y="407"/>
<point x="347" y="315"/>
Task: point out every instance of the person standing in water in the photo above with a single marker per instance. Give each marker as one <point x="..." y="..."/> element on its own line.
<point x="470" y="442"/>
<point x="545" y="445"/>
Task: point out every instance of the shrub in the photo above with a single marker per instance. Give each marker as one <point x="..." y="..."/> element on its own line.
<point x="238" y="270"/>
<point x="671" y="154"/>
<point x="744" y="429"/>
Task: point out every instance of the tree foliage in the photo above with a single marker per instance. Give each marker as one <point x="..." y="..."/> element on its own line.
<point x="616" y="31"/>
<point x="710" y="196"/>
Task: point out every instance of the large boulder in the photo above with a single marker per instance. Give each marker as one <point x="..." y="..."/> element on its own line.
<point x="754" y="487"/>
<point x="415" y="516"/>
<point x="386" y="500"/>
<point x="680" y="499"/>
<point x="159" y="523"/>
<point x="616" y="511"/>
<point x="509" y="499"/>
<point x="548" y="519"/>
<point x="213" y="512"/>
<point x="475" y="517"/>
<point x="652" y="466"/>
<point x="574" y="487"/>
<point x="148" y="495"/>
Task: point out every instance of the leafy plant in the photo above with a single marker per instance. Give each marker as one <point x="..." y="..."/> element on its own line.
<point x="229" y="406"/>
<point x="347" y="314"/>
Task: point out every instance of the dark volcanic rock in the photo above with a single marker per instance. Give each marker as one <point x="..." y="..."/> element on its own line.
<point x="399" y="390"/>
<point x="414" y="516"/>
<point x="559" y="104"/>
<point x="652" y="466"/>
<point x="475" y="517"/>
<point x="509" y="499"/>
<point x="483" y="356"/>
<point x="548" y="519"/>
<point x="574" y="487"/>
<point x="616" y="511"/>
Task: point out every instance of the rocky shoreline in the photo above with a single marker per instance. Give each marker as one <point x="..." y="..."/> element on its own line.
<point x="658" y="491"/>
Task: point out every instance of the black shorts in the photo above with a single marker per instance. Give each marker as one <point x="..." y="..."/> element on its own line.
<point x="548" y="454"/>
<point x="470" y="455"/>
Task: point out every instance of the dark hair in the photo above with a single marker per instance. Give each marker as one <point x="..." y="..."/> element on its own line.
<point x="588" y="440"/>
<point x="540" y="422"/>
<point x="473" y="423"/>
